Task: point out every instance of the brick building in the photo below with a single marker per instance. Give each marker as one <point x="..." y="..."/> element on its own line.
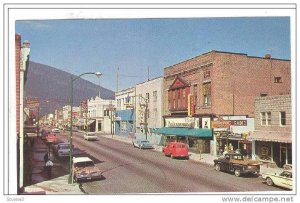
<point x="18" y="60"/>
<point x="272" y="138"/>
<point x="220" y="84"/>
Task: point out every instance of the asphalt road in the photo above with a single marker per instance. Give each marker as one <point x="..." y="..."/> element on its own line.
<point x="129" y="170"/>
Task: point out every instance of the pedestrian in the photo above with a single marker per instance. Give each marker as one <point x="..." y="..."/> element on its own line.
<point x="32" y="142"/>
<point x="49" y="165"/>
<point x="46" y="158"/>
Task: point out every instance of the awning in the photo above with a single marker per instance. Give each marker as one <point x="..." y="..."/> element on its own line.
<point x="90" y="122"/>
<point x="194" y="132"/>
<point x="269" y="136"/>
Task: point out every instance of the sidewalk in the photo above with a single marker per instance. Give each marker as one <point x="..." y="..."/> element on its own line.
<point x="40" y="184"/>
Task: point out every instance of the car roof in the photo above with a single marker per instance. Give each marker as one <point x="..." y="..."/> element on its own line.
<point x="81" y="159"/>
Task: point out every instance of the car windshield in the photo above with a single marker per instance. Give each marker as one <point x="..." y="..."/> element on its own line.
<point x="286" y="174"/>
<point x="85" y="164"/>
<point x="144" y="141"/>
<point x="64" y="147"/>
<point x="237" y="157"/>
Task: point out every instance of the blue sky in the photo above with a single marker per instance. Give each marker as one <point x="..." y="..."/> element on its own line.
<point x="79" y="46"/>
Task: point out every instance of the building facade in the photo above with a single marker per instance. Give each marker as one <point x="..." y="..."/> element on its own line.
<point x="149" y="110"/>
<point x="125" y="116"/>
<point x="100" y="117"/>
<point x="219" y="84"/>
<point x="272" y="138"/>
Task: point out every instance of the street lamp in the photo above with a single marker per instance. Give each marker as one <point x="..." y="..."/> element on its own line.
<point x="98" y="74"/>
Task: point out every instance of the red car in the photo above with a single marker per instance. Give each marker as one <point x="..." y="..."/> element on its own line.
<point x="51" y="138"/>
<point x="176" y="149"/>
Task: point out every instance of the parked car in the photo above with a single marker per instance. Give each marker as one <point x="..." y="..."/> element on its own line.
<point x="55" y="130"/>
<point x="176" y="149"/>
<point x="283" y="179"/>
<point x="235" y="162"/>
<point x="142" y="144"/>
<point x="51" y="138"/>
<point x="90" y="136"/>
<point x="85" y="169"/>
<point x="62" y="149"/>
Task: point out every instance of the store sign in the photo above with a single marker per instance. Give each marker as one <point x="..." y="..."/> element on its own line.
<point x="191" y="105"/>
<point x="238" y="122"/>
<point x="220" y="124"/>
<point x="206" y="122"/>
<point x="180" y="122"/>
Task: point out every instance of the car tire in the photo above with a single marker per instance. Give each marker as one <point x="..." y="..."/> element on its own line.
<point x="218" y="167"/>
<point x="269" y="181"/>
<point x="237" y="172"/>
<point x="140" y="147"/>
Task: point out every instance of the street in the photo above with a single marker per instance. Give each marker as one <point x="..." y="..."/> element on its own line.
<point x="130" y="170"/>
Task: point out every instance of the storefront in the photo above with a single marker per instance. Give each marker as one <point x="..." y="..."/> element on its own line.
<point x="227" y="142"/>
<point x="124" y="122"/>
<point x="273" y="147"/>
<point x="196" y="138"/>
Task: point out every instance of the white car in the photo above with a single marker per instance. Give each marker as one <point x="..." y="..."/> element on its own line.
<point x="283" y="179"/>
<point x="55" y="130"/>
<point x="62" y="149"/>
<point x="90" y="136"/>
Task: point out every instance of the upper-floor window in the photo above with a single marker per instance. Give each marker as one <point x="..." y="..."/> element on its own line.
<point x="282" y="118"/>
<point x="206" y="94"/>
<point x="195" y="90"/>
<point x="266" y="118"/>
<point x="206" y="74"/>
<point x="106" y="112"/>
<point x="147" y="97"/>
<point x="154" y="96"/>
<point x="277" y="80"/>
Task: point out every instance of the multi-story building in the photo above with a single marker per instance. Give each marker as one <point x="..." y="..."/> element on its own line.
<point x="149" y="105"/>
<point x="124" y="118"/>
<point x="272" y="138"/>
<point x="58" y="115"/>
<point x="66" y="115"/>
<point x="216" y="85"/>
<point x="100" y="116"/>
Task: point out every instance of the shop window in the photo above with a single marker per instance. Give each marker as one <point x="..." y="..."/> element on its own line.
<point x="207" y="94"/>
<point x="282" y="118"/>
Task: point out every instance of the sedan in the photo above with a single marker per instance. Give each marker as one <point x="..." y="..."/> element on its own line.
<point x="142" y="144"/>
<point x="90" y="136"/>
<point x="55" y="130"/>
<point x="283" y="179"/>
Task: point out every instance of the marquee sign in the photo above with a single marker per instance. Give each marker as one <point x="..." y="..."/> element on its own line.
<point x="180" y="122"/>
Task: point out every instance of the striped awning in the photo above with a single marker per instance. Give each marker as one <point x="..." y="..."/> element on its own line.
<point x="194" y="132"/>
<point x="271" y="136"/>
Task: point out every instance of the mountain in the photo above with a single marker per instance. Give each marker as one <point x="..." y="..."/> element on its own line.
<point x="52" y="87"/>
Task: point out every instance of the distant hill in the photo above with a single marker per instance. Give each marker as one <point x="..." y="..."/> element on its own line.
<point x="53" y="85"/>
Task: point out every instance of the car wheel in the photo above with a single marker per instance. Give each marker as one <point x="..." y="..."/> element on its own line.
<point x="217" y="167"/>
<point x="237" y="172"/>
<point x="140" y="146"/>
<point x="269" y="181"/>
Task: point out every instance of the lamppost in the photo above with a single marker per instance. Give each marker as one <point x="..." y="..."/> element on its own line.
<point x="98" y="74"/>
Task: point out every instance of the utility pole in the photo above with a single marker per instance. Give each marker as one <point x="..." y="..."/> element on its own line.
<point x="148" y="73"/>
<point x="117" y="79"/>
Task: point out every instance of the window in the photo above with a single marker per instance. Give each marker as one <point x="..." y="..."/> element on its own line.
<point x="183" y="98"/>
<point x="282" y="118"/>
<point x="106" y="112"/>
<point x="207" y="94"/>
<point x="269" y="116"/>
<point x="147" y="97"/>
<point x="195" y="95"/>
<point x="154" y="96"/>
<point x="277" y="80"/>
<point x="266" y="118"/>
<point x="263" y="118"/>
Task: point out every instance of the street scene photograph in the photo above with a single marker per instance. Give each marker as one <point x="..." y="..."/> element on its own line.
<point x="150" y="104"/>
